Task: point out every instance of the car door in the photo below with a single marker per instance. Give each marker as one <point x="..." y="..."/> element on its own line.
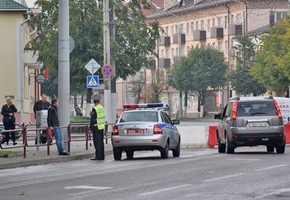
<point x="171" y="129"/>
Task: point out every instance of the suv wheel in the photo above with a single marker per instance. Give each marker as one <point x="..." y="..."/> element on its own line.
<point x="280" y="149"/>
<point x="117" y="153"/>
<point x="221" y="148"/>
<point x="270" y="149"/>
<point x="176" y="152"/>
<point x="228" y="147"/>
<point x="129" y="154"/>
<point x="164" y="151"/>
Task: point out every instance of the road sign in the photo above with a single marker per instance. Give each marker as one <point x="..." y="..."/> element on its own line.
<point x="107" y="70"/>
<point x="40" y="78"/>
<point x="92" y="66"/>
<point x="93" y="81"/>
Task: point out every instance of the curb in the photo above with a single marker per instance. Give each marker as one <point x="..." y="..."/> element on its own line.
<point x="49" y="160"/>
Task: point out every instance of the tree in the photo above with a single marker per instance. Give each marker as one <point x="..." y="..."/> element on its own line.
<point x="272" y="62"/>
<point x="136" y="86"/>
<point x="134" y="38"/>
<point x="158" y="83"/>
<point x="202" y="68"/>
<point x="242" y="81"/>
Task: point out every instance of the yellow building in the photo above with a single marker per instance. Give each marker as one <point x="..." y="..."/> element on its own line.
<point x="18" y="69"/>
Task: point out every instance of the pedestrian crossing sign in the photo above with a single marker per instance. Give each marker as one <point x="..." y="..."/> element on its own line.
<point x="93" y="81"/>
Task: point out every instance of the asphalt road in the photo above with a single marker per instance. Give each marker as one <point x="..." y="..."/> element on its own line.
<point x="251" y="173"/>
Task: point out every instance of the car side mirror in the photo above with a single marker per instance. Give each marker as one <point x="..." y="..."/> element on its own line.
<point x="218" y="116"/>
<point x="175" y="121"/>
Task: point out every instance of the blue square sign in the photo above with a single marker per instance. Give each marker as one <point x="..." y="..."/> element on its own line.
<point x="93" y="81"/>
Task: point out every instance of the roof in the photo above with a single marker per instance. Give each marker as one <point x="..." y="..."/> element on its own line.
<point x="154" y="5"/>
<point x="258" y="31"/>
<point x="10" y="5"/>
<point x="190" y="6"/>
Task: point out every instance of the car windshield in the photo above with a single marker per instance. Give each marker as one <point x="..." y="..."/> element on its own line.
<point x="260" y="108"/>
<point x="140" y="116"/>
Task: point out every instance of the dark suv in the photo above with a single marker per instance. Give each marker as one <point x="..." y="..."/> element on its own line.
<point x="251" y="121"/>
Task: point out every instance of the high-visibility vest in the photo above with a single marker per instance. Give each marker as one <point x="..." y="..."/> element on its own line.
<point x="101" y="116"/>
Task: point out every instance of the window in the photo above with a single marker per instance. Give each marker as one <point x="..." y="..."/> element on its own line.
<point x="220" y="22"/>
<point x="226" y="21"/>
<point x="176" y="29"/>
<point x="181" y="28"/>
<point x="147" y="116"/>
<point x="196" y="25"/>
<point x="256" y="108"/>
<point x="226" y="46"/>
<point x="208" y="25"/>
<point x="239" y="19"/>
<point x="165" y="118"/>
<point x="166" y="30"/>
<point x="188" y="49"/>
<point x="162" y="53"/>
<point x="172" y="30"/>
<point x="181" y="51"/>
<point x="213" y="22"/>
<point x="187" y="28"/>
<point x="232" y="21"/>
<point x="172" y="52"/>
<point x="202" y="25"/>
<point x="167" y="53"/>
<point x="176" y="51"/>
<point x="220" y="46"/>
<point x="213" y="44"/>
<point x="192" y="27"/>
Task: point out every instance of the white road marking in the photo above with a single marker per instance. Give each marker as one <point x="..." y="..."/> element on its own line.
<point x="165" y="189"/>
<point x="272" y="194"/>
<point x="86" y="187"/>
<point x="243" y="159"/>
<point x="269" y="168"/>
<point x="223" y="177"/>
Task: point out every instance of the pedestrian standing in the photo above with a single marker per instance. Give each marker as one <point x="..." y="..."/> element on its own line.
<point x="53" y="124"/>
<point x="8" y="111"/>
<point x="97" y="126"/>
<point x="40" y="105"/>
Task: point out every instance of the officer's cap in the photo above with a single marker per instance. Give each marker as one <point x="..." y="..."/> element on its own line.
<point x="96" y="97"/>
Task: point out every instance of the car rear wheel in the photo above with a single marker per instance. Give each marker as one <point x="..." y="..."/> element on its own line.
<point x="164" y="152"/>
<point x="129" y="154"/>
<point x="176" y="152"/>
<point x="221" y="148"/>
<point x="229" y="148"/>
<point x="280" y="149"/>
<point x="270" y="149"/>
<point x="117" y="153"/>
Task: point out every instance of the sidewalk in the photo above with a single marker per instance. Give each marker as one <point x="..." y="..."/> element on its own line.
<point x="34" y="157"/>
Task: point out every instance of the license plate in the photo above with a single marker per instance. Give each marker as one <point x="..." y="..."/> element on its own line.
<point x="258" y="124"/>
<point x="135" y="131"/>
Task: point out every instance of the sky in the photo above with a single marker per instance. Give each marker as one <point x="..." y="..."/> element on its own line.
<point x="30" y="3"/>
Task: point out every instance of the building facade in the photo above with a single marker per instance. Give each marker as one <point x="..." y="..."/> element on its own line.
<point x="18" y="68"/>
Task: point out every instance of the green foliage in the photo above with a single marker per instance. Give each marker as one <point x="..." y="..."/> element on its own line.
<point x="241" y="79"/>
<point x="203" y="67"/>
<point x="79" y="120"/>
<point x="134" y="39"/>
<point x="272" y="62"/>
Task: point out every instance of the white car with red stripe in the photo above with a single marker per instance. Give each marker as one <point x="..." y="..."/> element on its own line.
<point x="143" y="127"/>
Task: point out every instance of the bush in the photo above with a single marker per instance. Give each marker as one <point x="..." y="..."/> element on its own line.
<point x="79" y="120"/>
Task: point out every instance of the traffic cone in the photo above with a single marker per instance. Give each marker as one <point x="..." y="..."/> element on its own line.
<point x="287" y="133"/>
<point x="212" y="139"/>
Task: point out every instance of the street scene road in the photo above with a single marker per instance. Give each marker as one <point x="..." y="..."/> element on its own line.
<point x="200" y="173"/>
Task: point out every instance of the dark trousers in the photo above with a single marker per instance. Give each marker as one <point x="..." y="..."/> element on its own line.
<point x="98" y="138"/>
<point x="9" y="126"/>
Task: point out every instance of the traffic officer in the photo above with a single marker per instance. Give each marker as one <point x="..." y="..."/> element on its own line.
<point x="97" y="126"/>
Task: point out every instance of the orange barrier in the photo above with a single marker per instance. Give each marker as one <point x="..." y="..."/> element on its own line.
<point x="287" y="132"/>
<point x="212" y="138"/>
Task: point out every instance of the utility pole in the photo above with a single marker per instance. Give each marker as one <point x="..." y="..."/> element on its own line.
<point x="63" y="66"/>
<point x="113" y="63"/>
<point x="179" y="56"/>
<point x="107" y="59"/>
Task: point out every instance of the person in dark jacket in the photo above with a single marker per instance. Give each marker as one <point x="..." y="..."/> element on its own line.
<point x="42" y="104"/>
<point x="8" y="111"/>
<point x="53" y="124"/>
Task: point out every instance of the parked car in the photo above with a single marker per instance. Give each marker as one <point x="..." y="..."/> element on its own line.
<point x="251" y="121"/>
<point x="145" y="129"/>
<point x="17" y="133"/>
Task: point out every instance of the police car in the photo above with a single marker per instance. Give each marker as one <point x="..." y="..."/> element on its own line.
<point x="143" y="127"/>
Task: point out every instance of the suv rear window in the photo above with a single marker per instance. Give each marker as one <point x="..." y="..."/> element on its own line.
<point x="259" y="108"/>
<point x="137" y="116"/>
